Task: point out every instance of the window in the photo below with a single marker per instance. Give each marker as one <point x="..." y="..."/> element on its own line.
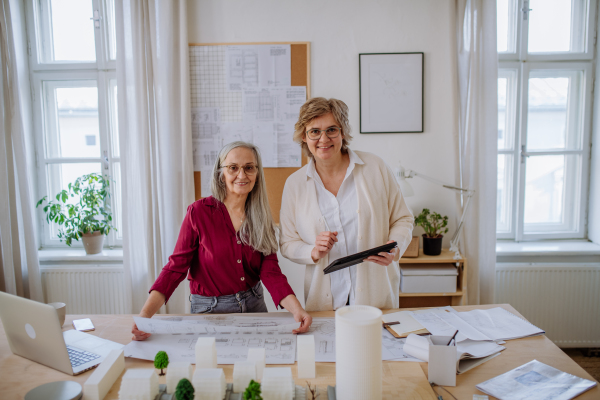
<point x="545" y="48"/>
<point x="72" y="51"/>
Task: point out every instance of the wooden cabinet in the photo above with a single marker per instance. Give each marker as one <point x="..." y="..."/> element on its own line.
<point x="437" y="299"/>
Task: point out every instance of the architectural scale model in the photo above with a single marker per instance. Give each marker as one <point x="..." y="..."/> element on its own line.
<point x="306" y="356"/>
<point x="257" y="356"/>
<point x="176" y="372"/>
<point x="206" y="353"/>
<point x="243" y="373"/>
<point x="278" y="384"/>
<point x="139" y="384"/>
<point x="100" y="382"/>
<point x="209" y="384"/>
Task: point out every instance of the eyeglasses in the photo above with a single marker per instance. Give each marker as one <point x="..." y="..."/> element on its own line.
<point x="332" y="132"/>
<point x="234" y="169"/>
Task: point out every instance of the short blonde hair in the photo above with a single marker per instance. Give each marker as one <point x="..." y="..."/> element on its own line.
<point x="315" y="108"/>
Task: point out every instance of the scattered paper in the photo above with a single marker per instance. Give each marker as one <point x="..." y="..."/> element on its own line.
<point x="535" y="381"/>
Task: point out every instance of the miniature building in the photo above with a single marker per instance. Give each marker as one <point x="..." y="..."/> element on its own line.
<point x="209" y="384"/>
<point x="139" y="384"/>
<point x="306" y="356"/>
<point x="243" y="373"/>
<point x="257" y="356"/>
<point x="206" y="353"/>
<point x="277" y="384"/>
<point x="176" y="372"/>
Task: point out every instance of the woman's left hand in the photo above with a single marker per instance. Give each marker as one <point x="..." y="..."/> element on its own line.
<point x="383" y="258"/>
<point x="305" y="320"/>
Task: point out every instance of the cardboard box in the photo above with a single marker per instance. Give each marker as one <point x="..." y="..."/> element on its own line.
<point x="412" y="250"/>
<point x="441" y="278"/>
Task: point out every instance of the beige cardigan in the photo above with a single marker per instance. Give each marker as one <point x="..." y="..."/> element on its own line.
<point x="382" y="216"/>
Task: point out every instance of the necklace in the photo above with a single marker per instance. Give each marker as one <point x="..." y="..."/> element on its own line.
<point x="232" y="213"/>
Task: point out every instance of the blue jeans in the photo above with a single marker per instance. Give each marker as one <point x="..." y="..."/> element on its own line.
<point x="249" y="301"/>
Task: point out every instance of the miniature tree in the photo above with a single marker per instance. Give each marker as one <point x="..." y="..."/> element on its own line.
<point x="312" y="391"/>
<point x="184" y="390"/>
<point x="252" y="392"/>
<point x="161" y="361"/>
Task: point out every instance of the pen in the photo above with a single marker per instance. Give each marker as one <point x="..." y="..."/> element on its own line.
<point x="453" y="336"/>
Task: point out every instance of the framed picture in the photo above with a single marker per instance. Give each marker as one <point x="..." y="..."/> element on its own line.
<point x="391" y="92"/>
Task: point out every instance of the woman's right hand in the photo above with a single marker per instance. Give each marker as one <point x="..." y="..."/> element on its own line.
<point x="137" y="334"/>
<point x="323" y="244"/>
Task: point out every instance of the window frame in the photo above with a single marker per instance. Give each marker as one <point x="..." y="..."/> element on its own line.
<point x="523" y="64"/>
<point x="521" y="36"/>
<point x="103" y="70"/>
<point x="584" y="151"/>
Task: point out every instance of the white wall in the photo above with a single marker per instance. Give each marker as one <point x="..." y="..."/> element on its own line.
<point x="338" y="31"/>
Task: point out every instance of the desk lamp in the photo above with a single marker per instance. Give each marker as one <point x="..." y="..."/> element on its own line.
<point x="407" y="191"/>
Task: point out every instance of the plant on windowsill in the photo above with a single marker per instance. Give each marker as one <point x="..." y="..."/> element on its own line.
<point x="435" y="226"/>
<point x="88" y="217"/>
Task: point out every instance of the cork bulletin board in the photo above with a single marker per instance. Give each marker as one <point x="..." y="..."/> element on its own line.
<point x="300" y="76"/>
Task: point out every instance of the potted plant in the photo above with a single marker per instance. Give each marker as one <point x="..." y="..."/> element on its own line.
<point x="88" y="217"/>
<point x="435" y="226"/>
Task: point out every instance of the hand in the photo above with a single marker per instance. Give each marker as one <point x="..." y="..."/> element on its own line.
<point x="305" y="320"/>
<point x="384" y="258"/>
<point x="323" y="244"/>
<point x="137" y="334"/>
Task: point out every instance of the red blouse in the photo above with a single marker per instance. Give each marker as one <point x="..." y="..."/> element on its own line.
<point x="215" y="261"/>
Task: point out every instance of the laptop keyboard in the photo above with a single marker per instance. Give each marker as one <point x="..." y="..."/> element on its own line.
<point x="80" y="357"/>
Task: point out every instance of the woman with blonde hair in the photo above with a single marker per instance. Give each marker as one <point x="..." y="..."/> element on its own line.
<point x="227" y="245"/>
<point x="340" y="203"/>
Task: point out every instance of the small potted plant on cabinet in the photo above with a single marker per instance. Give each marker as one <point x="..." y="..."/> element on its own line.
<point x="88" y="217"/>
<point x="435" y="226"/>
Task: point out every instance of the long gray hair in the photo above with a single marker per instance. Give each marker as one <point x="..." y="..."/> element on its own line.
<point x="258" y="229"/>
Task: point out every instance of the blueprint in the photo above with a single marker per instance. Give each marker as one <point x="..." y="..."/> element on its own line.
<point x="234" y="335"/>
<point x="323" y="330"/>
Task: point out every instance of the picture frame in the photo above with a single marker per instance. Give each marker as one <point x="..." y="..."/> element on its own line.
<point x="391" y="89"/>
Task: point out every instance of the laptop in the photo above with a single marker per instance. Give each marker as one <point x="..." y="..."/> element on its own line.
<point x="34" y="332"/>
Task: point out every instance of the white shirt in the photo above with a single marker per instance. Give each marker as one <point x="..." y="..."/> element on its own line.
<point x="340" y="214"/>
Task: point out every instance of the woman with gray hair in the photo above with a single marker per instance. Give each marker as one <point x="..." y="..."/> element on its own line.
<point x="341" y="203"/>
<point x="227" y="245"/>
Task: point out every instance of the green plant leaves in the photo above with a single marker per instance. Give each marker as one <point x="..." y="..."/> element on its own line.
<point x="91" y="211"/>
<point x="433" y="223"/>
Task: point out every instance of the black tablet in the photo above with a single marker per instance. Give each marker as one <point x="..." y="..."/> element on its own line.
<point x="357" y="258"/>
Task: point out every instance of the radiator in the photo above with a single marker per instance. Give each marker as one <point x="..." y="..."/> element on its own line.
<point x="562" y="299"/>
<point x="85" y="289"/>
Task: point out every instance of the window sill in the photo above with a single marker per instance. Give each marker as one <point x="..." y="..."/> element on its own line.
<point x="52" y="256"/>
<point x="548" y="248"/>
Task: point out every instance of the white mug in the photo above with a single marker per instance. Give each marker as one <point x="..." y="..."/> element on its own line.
<point x="61" y="311"/>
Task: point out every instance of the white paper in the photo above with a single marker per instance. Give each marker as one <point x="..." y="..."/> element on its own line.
<point x="393" y="348"/>
<point x="205" y="122"/>
<point x="499" y="324"/>
<point x="289" y="153"/>
<point x="535" y="381"/>
<point x="265" y="138"/>
<point x="251" y="66"/>
<point x="236" y="131"/>
<point x="234" y="335"/>
<point x="323" y="330"/>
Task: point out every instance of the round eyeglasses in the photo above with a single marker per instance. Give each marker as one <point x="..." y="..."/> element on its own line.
<point x="234" y="169"/>
<point x="332" y="132"/>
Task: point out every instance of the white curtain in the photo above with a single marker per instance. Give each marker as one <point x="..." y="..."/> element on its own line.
<point x="478" y="140"/>
<point x="155" y="139"/>
<point x="19" y="265"/>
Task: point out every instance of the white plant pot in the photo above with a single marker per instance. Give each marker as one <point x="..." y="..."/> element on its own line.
<point x="92" y="242"/>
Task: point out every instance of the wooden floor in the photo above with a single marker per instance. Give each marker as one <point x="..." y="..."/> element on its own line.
<point x="590" y="364"/>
